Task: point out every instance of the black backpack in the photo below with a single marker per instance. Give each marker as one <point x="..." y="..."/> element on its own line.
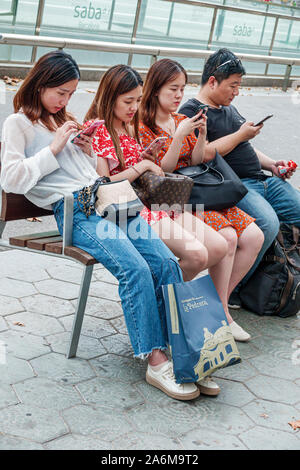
<point x="274" y="288"/>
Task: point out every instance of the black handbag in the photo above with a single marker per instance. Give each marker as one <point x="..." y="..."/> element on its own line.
<point x="216" y="185"/>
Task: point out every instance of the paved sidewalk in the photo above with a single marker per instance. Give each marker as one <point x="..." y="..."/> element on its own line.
<point x="100" y="399"/>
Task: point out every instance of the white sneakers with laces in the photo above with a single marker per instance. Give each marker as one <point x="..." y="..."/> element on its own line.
<point x="164" y="379"/>
<point x="208" y="387"/>
<point x="238" y="332"/>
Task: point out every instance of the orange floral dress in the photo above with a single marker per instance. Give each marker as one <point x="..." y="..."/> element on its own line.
<point x="104" y="148"/>
<point x="232" y="217"/>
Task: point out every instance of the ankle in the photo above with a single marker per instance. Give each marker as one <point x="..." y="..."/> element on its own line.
<point x="157" y="358"/>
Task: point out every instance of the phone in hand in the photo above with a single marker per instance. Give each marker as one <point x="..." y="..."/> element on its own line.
<point x="263" y="120"/>
<point x="155" y="145"/>
<point x="89" y="130"/>
<point x="204" y="107"/>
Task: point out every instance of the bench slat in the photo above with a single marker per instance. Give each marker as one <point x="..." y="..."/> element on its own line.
<point x="40" y="243"/>
<point x="80" y="255"/>
<point x="22" y="240"/>
<point x="54" y="248"/>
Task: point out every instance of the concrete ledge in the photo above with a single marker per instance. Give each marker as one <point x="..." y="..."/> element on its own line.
<point x="91" y="74"/>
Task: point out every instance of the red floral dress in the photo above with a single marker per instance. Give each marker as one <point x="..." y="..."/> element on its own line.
<point x="233" y="216"/>
<point x="104" y="148"/>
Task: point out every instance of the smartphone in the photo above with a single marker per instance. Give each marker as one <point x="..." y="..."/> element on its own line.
<point x="89" y="130"/>
<point x="204" y="107"/>
<point x="155" y="145"/>
<point x="263" y="120"/>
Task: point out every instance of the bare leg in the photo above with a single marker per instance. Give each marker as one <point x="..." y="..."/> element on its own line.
<point x="221" y="250"/>
<point x="221" y="272"/>
<point x="249" y="245"/>
<point x="192" y="254"/>
<point x="157" y="357"/>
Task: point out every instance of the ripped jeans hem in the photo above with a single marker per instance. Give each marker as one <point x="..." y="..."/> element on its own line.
<point x="144" y="356"/>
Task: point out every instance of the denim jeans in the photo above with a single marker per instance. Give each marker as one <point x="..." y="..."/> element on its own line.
<point x="271" y="202"/>
<point x="140" y="263"/>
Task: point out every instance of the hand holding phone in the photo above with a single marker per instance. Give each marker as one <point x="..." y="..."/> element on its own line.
<point x="204" y="107"/>
<point x="88" y="131"/>
<point x="152" y="149"/>
<point x="263" y="120"/>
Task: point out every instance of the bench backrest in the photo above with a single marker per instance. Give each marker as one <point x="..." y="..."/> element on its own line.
<point x="16" y="206"/>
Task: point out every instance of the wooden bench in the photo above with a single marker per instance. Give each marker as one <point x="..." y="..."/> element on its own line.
<point x="16" y="207"/>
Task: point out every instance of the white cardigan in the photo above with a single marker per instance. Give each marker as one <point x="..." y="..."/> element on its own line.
<point x="29" y="167"/>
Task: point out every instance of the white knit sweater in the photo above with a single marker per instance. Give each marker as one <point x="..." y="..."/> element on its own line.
<point x="29" y="167"/>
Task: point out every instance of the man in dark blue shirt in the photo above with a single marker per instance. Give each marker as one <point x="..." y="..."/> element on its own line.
<point x="270" y="198"/>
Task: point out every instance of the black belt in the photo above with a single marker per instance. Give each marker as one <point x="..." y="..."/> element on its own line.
<point x="260" y="176"/>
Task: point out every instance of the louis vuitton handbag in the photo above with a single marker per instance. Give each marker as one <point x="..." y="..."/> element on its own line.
<point x="170" y="190"/>
<point x="200" y="338"/>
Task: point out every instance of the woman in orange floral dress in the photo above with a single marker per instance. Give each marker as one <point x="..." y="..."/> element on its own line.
<point x="162" y="94"/>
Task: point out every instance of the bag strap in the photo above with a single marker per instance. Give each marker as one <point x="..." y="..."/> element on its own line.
<point x="296" y="234"/>
<point x="286" y="292"/>
<point x="271" y="259"/>
<point x="217" y="172"/>
<point x="286" y="251"/>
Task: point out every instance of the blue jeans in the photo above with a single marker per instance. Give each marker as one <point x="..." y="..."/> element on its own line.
<point x="271" y="202"/>
<point x="141" y="265"/>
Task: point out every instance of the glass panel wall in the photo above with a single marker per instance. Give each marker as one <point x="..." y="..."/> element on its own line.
<point x="160" y="23"/>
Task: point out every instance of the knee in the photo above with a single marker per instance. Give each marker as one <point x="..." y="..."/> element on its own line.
<point x="196" y="261"/>
<point x="221" y="248"/>
<point x="252" y="239"/>
<point x="231" y="238"/>
<point x="258" y="239"/>
<point x="270" y="228"/>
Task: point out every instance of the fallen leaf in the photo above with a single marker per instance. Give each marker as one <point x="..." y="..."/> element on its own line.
<point x="34" y="219"/>
<point x="264" y="415"/>
<point x="295" y="424"/>
<point x="18" y="323"/>
<point x="11" y="80"/>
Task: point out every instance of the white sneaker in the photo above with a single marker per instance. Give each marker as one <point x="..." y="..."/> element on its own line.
<point x="238" y="333"/>
<point x="164" y="379"/>
<point x="208" y="387"/>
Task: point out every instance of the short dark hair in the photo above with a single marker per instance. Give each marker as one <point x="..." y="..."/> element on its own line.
<point x="221" y="64"/>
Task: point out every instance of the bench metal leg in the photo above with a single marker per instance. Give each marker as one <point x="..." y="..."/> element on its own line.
<point x="2" y="227"/>
<point x="81" y="303"/>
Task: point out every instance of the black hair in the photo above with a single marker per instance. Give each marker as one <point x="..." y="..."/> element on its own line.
<point x="221" y="64"/>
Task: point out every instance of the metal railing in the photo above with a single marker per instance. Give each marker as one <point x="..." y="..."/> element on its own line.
<point x="154" y="52"/>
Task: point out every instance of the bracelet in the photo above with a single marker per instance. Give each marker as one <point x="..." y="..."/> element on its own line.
<point x="136" y="170"/>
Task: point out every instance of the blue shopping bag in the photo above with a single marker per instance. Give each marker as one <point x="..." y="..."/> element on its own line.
<point x="200" y="338"/>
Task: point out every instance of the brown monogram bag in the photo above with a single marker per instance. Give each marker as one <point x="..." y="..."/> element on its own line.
<point x="170" y="189"/>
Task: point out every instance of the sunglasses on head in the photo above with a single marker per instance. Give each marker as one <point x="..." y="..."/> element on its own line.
<point x="231" y="61"/>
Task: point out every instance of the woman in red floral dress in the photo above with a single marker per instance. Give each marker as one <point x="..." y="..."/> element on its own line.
<point x="162" y="94"/>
